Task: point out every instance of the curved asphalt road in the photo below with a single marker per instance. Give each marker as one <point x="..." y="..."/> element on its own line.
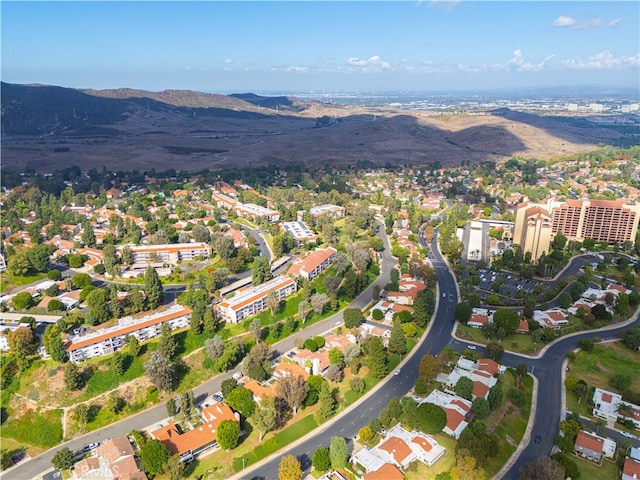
<point x="547" y="368"/>
<point x="35" y="466"/>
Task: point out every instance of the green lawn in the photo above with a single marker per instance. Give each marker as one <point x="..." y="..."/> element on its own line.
<point x="511" y="426"/>
<point x="591" y="471"/>
<point x="519" y="343"/>
<point x="41" y="428"/>
<point x="8" y="281"/>
<point x="597" y="367"/>
<point x="419" y="471"/>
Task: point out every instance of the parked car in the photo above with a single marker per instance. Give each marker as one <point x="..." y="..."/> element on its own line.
<point x="471" y="347"/>
<point x="626" y="434"/>
<point x="237" y="376"/>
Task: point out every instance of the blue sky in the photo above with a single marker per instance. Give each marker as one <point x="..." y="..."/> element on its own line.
<point x="246" y="46"/>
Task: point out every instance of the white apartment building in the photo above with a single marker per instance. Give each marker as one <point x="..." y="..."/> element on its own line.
<point x="169" y="253"/>
<point x="256" y="211"/>
<point x="300" y="232"/>
<point x="107" y="340"/>
<point x="328" y="209"/>
<point x="254" y="299"/>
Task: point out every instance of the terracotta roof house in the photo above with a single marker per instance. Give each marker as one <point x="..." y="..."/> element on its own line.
<point x="593" y="447"/>
<point x="190" y="443"/>
<point x="387" y="471"/>
<point x="114" y="460"/>
<point x="631" y="469"/>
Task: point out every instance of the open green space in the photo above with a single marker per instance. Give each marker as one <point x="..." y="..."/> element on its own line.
<point x="592" y="471"/>
<point x="42" y="428"/>
<point x="606" y="360"/>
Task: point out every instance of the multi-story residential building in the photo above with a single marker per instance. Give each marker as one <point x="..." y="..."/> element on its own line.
<point x="313" y="264"/>
<point x="609" y="221"/>
<point x="256" y="211"/>
<point x="254" y="299"/>
<point x="300" y="232"/>
<point x="168" y="254"/>
<point x="107" y="340"/>
<point x="334" y="210"/>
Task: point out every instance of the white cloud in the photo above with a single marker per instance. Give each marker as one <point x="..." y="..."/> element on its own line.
<point x="298" y="69"/>
<point x="603" y="60"/>
<point x="444" y="4"/>
<point x="371" y="64"/>
<point x="228" y="61"/>
<point x="518" y="64"/>
<point x="564" y="22"/>
<point x="613" y="23"/>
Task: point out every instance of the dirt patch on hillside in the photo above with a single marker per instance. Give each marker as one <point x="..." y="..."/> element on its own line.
<point x="162" y="140"/>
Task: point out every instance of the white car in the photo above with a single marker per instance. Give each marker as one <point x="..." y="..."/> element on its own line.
<point x="626" y="434"/>
<point x="471" y="347"/>
<point x="397" y="372"/>
<point x="237" y="376"/>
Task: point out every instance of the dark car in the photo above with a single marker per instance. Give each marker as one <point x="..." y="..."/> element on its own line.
<point x="538" y="439"/>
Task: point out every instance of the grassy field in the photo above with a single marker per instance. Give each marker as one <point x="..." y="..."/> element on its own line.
<point x="40" y="428"/>
<point x="8" y="281"/>
<point x="591" y="471"/>
<point x="509" y="428"/>
<point x="518" y="342"/>
<point x="420" y="471"/>
<point x="606" y="360"/>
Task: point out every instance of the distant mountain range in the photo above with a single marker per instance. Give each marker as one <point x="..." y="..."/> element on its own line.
<point x="50" y="127"/>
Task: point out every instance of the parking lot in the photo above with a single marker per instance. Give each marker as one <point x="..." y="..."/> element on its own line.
<point x="487" y="281"/>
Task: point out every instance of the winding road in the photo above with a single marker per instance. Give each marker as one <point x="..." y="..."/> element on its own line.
<point x="546" y="367"/>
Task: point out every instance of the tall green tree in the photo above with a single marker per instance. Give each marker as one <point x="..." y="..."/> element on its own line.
<point x="167" y="345"/>
<point x="53" y="344"/>
<point x="397" y="340"/>
<point x="265" y="417"/>
<point x="228" y="434"/>
<point x="377" y="358"/>
<point x="72" y="377"/>
<point x="63" y="459"/>
<point x="153" y="288"/>
<point x="338" y="452"/>
<point x="154" y="455"/>
<point x="159" y="371"/>
<point x="261" y="271"/>
<point x="327" y="401"/>
<point x="97" y="307"/>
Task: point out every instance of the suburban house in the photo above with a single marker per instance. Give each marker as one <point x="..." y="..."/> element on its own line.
<point x="553" y="318"/>
<point x="480" y="317"/>
<point x="253" y="299"/>
<point x="605" y="404"/>
<point x="104" y="341"/>
<point x="631" y="469"/>
<point x="482" y="373"/>
<point x="610" y="406"/>
<point x="457" y="409"/>
<point x="399" y="448"/>
<point x="189" y="444"/>
<point x="114" y="460"/>
<point x="313" y="264"/>
<point x="593" y="447"/>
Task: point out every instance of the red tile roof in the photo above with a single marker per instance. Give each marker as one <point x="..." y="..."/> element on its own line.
<point x="585" y="440"/>
<point x="397" y="448"/>
<point x="385" y="472"/>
